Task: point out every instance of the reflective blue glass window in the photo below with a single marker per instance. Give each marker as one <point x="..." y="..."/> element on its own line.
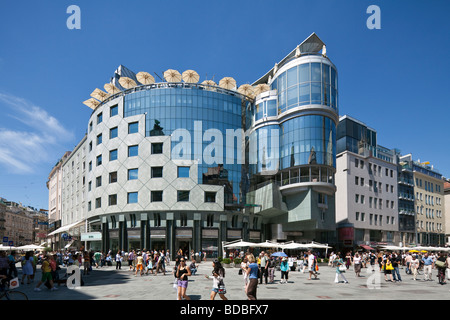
<point x="113" y="155"/>
<point x="113" y="132"/>
<point x="132" y="197"/>
<point x="99" y="139"/>
<point x="304" y="93"/>
<point x="113" y="111"/>
<point x="303" y="73"/>
<point x="133" y="127"/>
<point x="99" y="160"/>
<point x="292" y="96"/>
<point x="272" y="108"/>
<point x="315" y="93"/>
<point x="133" y="151"/>
<point x="132" y="174"/>
<point x="99" y="117"/>
<point x="292" y="77"/>
<point x="183" y="172"/>
<point x="315" y="72"/>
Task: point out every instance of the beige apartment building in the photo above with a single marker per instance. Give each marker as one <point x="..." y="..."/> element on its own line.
<point x="18" y="225"/>
<point x="430" y="205"/>
<point x="447" y="211"/>
<point x="54" y="186"/>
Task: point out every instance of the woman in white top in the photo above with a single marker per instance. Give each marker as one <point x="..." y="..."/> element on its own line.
<point x="218" y="286"/>
<point x="244" y="266"/>
<point x="357" y="264"/>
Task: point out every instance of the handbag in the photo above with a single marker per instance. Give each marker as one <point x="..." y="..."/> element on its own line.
<point x="342" y="268"/>
<point x="389" y="266"/>
<point x="222" y="289"/>
<point x="440" y="264"/>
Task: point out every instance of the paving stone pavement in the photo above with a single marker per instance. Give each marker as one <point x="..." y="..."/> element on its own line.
<point x="107" y="283"/>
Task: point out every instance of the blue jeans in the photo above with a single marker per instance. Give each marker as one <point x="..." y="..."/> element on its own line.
<point x="396" y="274"/>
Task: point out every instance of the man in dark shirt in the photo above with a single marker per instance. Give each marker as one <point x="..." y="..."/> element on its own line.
<point x="372" y="261"/>
<point x="396" y="260"/>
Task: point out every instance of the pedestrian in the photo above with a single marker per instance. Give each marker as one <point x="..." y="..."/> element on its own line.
<point x="311" y="266"/>
<point x="139" y="264"/>
<point x="441" y="265"/>
<point x="54" y="265"/>
<point x="357" y="264"/>
<point x="340" y="271"/>
<point x="4" y="264"/>
<point x="414" y="266"/>
<point x="130" y="258"/>
<point x="98" y="258"/>
<point x="348" y="259"/>
<point x="46" y="275"/>
<point x="244" y="266"/>
<point x="427" y="266"/>
<point x="396" y="260"/>
<point x="182" y="274"/>
<point x="193" y="267"/>
<point x="271" y="269"/>
<point x="119" y="260"/>
<point x="159" y="264"/>
<point x="87" y="263"/>
<point x="27" y="267"/>
<point x="12" y="264"/>
<point x="372" y="259"/>
<point x="252" y="272"/>
<point x="388" y="268"/>
<point x="408" y="259"/>
<point x="263" y="263"/>
<point x="448" y="266"/>
<point x="218" y="274"/>
<point x="284" y="268"/>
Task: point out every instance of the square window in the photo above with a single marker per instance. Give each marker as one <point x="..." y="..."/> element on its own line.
<point x="113" y="155"/>
<point x="98" y="203"/>
<point x="98" y="181"/>
<point x="113" y="177"/>
<point x="132" y="174"/>
<point x="183" y="172"/>
<point x="133" y="127"/>
<point x="210" y="196"/>
<point x="132" y="197"/>
<point x="113" y="132"/>
<point x="183" y="195"/>
<point x="133" y="151"/>
<point x="99" y="160"/>
<point x="114" y="111"/>
<point x="157" y="148"/>
<point x="157" y="172"/>
<point x="112" y="201"/>
<point x="156" y="196"/>
<point x="99" y="117"/>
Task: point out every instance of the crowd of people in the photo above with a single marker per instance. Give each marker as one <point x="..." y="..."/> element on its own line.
<point x="256" y="269"/>
<point x="389" y="264"/>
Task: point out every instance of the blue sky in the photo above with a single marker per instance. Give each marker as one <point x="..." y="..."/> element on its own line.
<point x="394" y="79"/>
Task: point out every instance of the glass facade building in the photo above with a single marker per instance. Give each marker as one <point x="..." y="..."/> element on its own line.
<point x="178" y="164"/>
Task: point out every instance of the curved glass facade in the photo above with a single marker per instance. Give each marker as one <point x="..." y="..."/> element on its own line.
<point x="196" y="110"/>
<point x="308" y="140"/>
<point x="307" y="83"/>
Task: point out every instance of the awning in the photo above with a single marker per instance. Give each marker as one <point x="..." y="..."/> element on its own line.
<point x="66" y="228"/>
<point x="366" y="247"/>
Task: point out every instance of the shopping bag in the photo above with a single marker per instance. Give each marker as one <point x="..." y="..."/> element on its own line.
<point x="14" y="283"/>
